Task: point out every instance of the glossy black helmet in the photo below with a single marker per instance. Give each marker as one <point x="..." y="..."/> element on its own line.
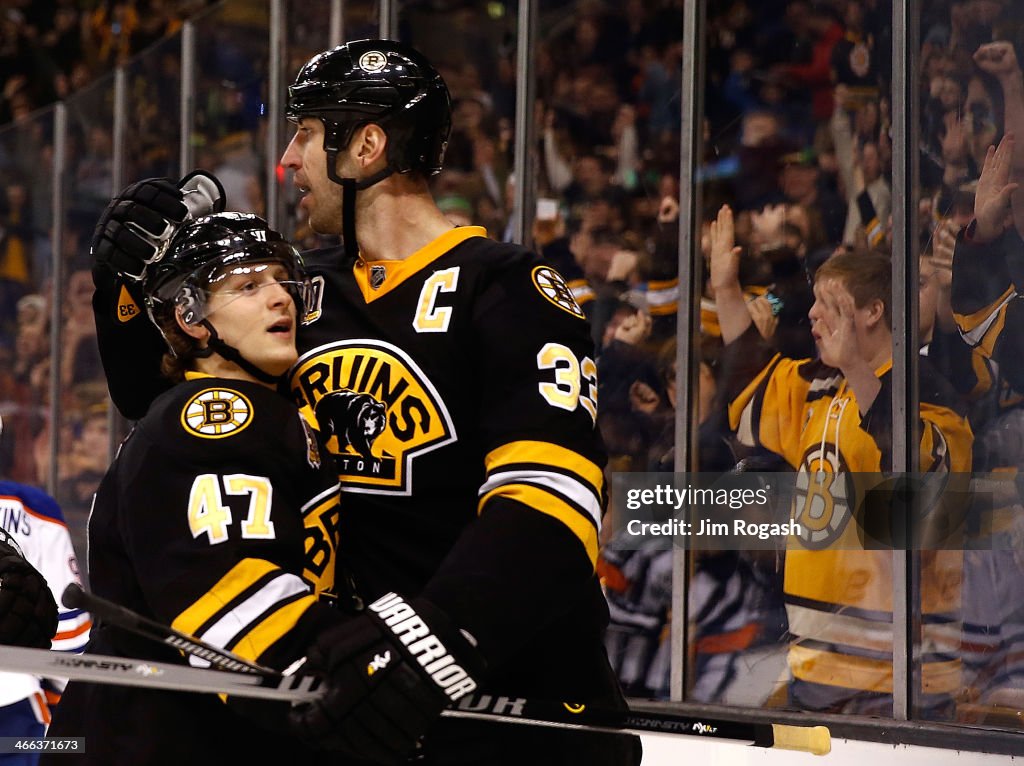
<point x="211" y="248"/>
<point x="380" y="81"/>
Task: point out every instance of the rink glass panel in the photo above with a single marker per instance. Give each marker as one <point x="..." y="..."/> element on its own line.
<point x="86" y="191"/>
<point x="26" y="166"/>
<point x="231" y="108"/>
<point x="790" y="131"/>
<point x="153" y="123"/>
<point x="966" y="107"/>
<point x="607" y="125"/>
<point x="306" y="33"/>
<point x="474" y="47"/>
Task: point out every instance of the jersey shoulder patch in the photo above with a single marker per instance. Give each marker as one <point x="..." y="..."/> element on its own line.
<point x="554" y="288"/>
<point x="514" y="267"/>
<point x="216" y="411"/>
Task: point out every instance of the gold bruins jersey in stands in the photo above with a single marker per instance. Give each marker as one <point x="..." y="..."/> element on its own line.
<point x="839" y="599"/>
<point x="457" y="389"/>
<point x="218" y="517"/>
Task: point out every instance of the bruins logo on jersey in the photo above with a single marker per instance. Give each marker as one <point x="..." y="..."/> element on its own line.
<point x="377" y="411"/>
<point x="823" y="498"/>
<point x="215" y="413"/>
<point x="553" y="287"/>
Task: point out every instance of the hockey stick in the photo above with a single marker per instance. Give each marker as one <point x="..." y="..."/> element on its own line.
<point x="75" y="597"/>
<point x="268" y="684"/>
<point x="124" y="671"/>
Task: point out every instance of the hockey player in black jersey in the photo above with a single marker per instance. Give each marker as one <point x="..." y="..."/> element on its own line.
<point x="219" y="514"/>
<point x="456" y="381"/>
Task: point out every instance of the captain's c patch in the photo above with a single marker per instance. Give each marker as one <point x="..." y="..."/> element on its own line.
<point x="215" y="413"/>
<point x="553" y="287"/>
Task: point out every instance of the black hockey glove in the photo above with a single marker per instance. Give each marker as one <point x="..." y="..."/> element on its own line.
<point x="391" y="671"/>
<point x="138" y="222"/>
<point x="28" y="613"/>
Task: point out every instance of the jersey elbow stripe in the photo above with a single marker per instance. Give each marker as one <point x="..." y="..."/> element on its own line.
<point x="546" y="456"/>
<point x="543" y="500"/>
<point x="577" y="493"/>
<point x="274" y="627"/>
<point x="253" y="625"/>
<point x="250" y="590"/>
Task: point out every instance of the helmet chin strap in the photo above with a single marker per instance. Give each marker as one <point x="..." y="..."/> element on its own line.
<point x="215" y="344"/>
<point x="349" y="188"/>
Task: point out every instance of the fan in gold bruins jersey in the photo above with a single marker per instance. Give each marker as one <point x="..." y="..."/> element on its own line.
<point x="219" y="514"/>
<point x="453" y="377"/>
<point x="830" y="420"/>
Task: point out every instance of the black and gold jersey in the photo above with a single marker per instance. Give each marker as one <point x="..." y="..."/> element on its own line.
<point x="838" y="595"/>
<point x="986" y="300"/>
<point x="458" y="391"/>
<point x="218" y="517"/>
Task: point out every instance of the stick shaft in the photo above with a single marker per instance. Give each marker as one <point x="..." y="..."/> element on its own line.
<point x="123" y="671"/>
<point x="495" y="709"/>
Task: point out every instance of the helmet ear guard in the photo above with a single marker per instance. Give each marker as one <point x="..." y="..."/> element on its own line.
<point x="186" y="304"/>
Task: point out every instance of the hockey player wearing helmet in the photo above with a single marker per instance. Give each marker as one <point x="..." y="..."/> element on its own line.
<point x="454" y="378"/>
<point x="204" y="520"/>
<point x="215" y="262"/>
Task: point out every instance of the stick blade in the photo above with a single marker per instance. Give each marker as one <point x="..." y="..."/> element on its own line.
<point x="807" y="739"/>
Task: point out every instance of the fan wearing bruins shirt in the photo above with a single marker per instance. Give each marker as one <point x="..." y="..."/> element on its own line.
<point x="830" y="419"/>
<point x="988" y="269"/>
<point x="453" y="377"/>
<point x="219" y="514"/>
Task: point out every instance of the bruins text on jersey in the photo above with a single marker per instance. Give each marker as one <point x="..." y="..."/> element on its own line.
<point x="197" y="525"/>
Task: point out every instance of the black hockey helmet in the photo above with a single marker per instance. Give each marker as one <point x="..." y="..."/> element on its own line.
<point x="207" y="250"/>
<point x="211" y="248"/>
<point x="381" y="81"/>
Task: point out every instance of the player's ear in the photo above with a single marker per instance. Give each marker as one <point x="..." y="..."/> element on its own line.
<point x="371" y="145"/>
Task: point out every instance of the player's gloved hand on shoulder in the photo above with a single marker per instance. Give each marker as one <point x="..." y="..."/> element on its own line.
<point x="138" y="222"/>
<point x="390" y="673"/>
<point x="28" y="613"/>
